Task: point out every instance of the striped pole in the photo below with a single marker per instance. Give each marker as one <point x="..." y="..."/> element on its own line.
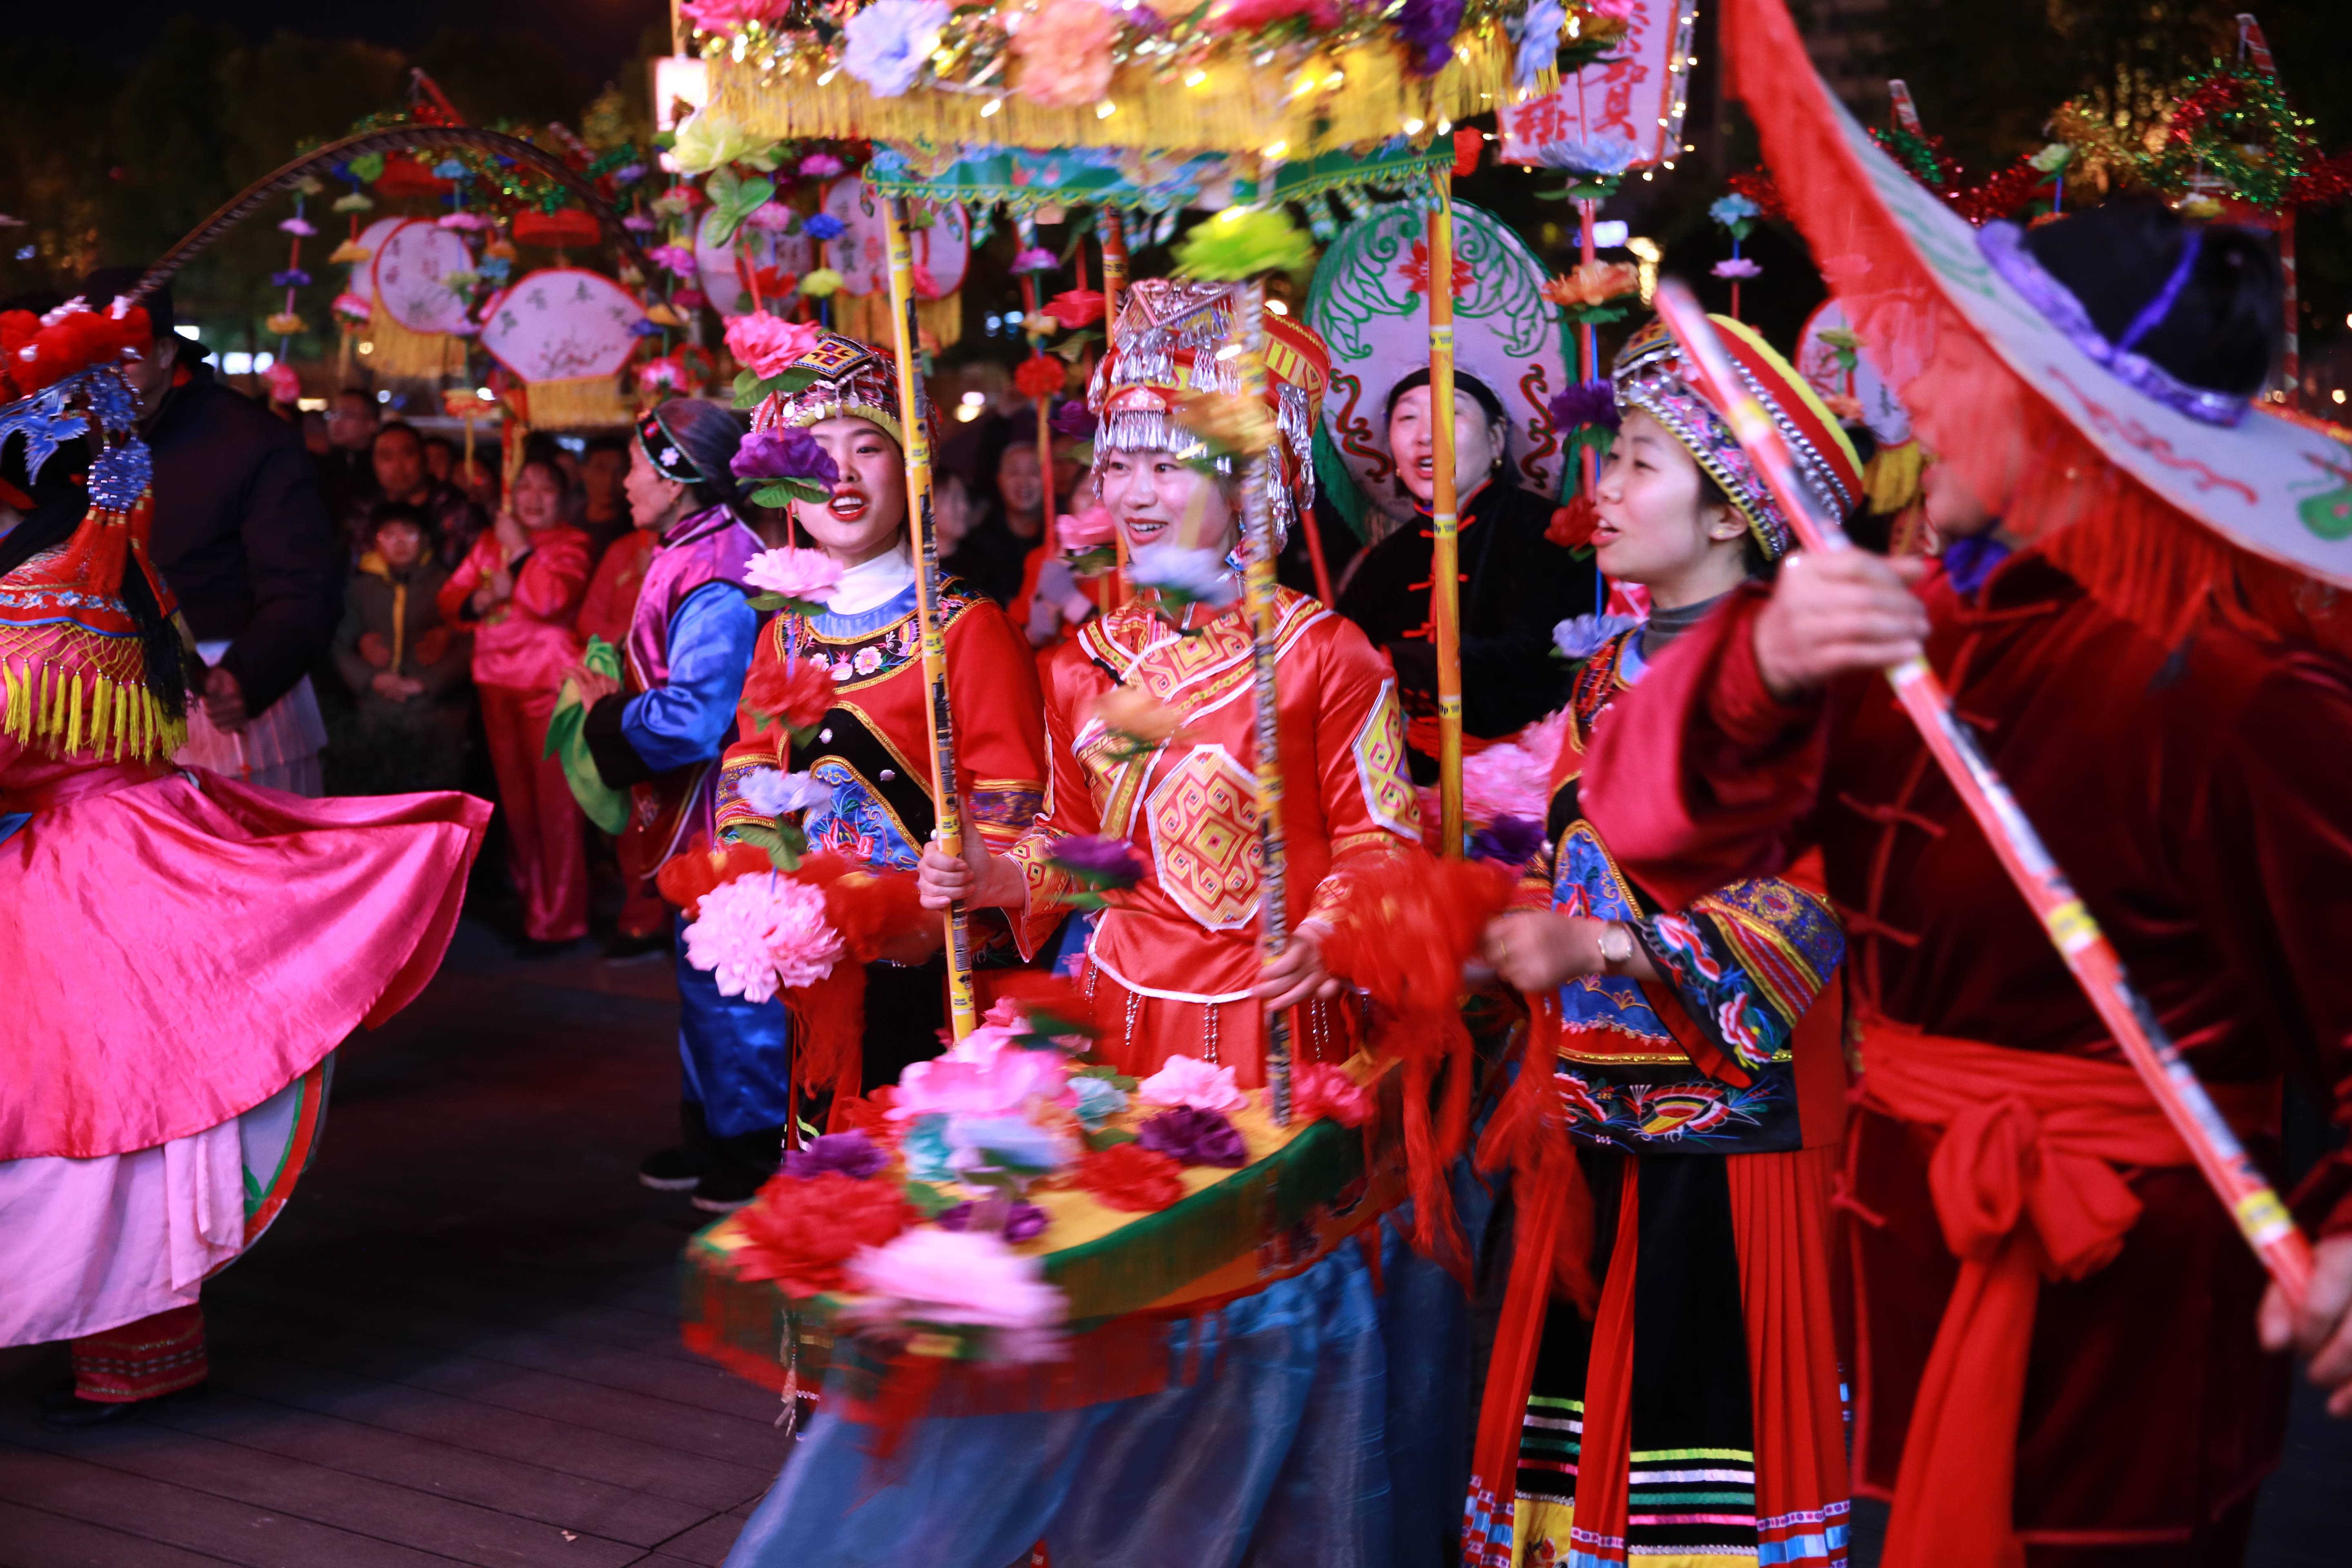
<point x="2261" y="1218"/>
<point x="1445" y="553"/>
<point x="914" y="417"/>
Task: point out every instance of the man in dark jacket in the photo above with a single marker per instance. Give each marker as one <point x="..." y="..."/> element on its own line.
<point x="242" y="539"/>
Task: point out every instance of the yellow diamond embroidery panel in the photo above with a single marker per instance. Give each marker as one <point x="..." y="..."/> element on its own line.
<point x="1205" y="843"/>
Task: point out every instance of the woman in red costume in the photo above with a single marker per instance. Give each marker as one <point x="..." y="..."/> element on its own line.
<point x="517" y="592"/>
<point x="1688" y="1407"/>
<point x="2059" y="1357"/>
<point x="865" y="778"/>
<point x="1150" y="713"/>
<point x="184" y="953"/>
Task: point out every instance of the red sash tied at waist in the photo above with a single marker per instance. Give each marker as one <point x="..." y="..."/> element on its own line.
<point x="2025" y="1184"/>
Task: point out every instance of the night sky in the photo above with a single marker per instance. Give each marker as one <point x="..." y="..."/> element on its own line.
<point x="594" y="36"/>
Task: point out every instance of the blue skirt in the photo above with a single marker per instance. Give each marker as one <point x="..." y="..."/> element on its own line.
<point x="1324" y="1423"/>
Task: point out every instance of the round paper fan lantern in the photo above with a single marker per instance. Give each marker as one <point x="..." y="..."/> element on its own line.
<point x="565" y="333"/>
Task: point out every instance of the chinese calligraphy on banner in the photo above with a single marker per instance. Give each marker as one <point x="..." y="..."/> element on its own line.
<point x="1622" y="111"/>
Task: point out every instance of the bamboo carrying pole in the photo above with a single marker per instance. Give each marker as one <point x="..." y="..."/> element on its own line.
<point x="914" y="417"/>
<point x="1257" y="518"/>
<point x="2260" y="1217"/>
<point x="1445" y="553"/>
<point x="1114" y="263"/>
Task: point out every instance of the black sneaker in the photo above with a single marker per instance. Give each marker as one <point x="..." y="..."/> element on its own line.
<point x="673" y="1170"/>
<point x="727" y="1186"/>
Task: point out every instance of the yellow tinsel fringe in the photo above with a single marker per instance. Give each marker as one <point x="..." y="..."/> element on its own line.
<point x="399" y="351"/>
<point x="868" y="318"/>
<point x="1892" y="477"/>
<point x="578" y="403"/>
<point x="62" y="713"/>
<point x="1359" y="95"/>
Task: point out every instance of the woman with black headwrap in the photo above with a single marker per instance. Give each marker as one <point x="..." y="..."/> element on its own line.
<point x="1517" y="586"/>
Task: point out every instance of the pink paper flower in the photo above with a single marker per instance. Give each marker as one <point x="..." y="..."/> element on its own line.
<point x="1063" y="52"/>
<point x="767" y="346"/>
<point x="1090" y="529"/>
<point x="1319" y="1089"/>
<point x="1188" y="1080"/>
<point x="966" y="1277"/>
<point x="731" y="16"/>
<point x="761" y="933"/>
<point x="1736" y="266"/>
<point x="674" y="259"/>
<point x="821" y="166"/>
<point x="794" y="573"/>
<point x="1513" y="777"/>
<point x="1004" y="1084"/>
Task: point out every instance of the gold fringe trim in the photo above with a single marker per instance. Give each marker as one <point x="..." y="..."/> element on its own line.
<point x="400" y="352"/>
<point x="62" y="713"/>
<point x="578" y="403"/>
<point x="867" y="318"/>
<point x="1362" y="94"/>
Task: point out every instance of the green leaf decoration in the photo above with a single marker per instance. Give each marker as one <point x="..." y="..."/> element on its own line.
<point x="1244" y="242"/>
<point x="779" y="493"/>
<point x="784" y="841"/>
<point x="734" y="199"/>
<point x="1108" y="1138"/>
<point x="927" y="1200"/>
<point x="367" y="168"/>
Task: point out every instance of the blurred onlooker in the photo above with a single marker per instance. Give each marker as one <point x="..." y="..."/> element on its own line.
<point x="405" y="666"/>
<point x="604" y="509"/>
<point x="346" y="478"/>
<point x="401" y="474"/>
<point x="441" y="459"/>
<point x="245" y="544"/>
<point x="518" y="591"/>
<point x="993" y="553"/>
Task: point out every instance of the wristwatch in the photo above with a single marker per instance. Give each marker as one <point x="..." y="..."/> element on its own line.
<point x="1616" y="945"/>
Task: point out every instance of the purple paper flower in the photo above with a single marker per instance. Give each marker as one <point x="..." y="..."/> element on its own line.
<point x="1513" y="840"/>
<point x="1022" y="1221"/>
<point x="786" y="452"/>
<point x="1736" y="266"/>
<point x="1580" y="404"/>
<point x="292" y="277"/>
<point x="853" y="1154"/>
<point x="1191" y="1137"/>
<point x="628" y="173"/>
<point x="1100" y="862"/>
<point x="1427" y="27"/>
<point x="1072" y="419"/>
<point x="823" y="225"/>
<point x="644" y="327"/>
<point x="639" y="223"/>
<point x="1035" y="260"/>
<point x="673" y="258"/>
<point x="821" y="166"/>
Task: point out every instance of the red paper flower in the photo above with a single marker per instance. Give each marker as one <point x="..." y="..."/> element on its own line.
<point x="684" y="877"/>
<point x="1076" y="307"/>
<point x="800" y="1231"/>
<point x="869" y="1113"/>
<point x="1130" y="1176"/>
<point x="797" y="691"/>
<point x="1572" y="525"/>
<point x="1039" y="376"/>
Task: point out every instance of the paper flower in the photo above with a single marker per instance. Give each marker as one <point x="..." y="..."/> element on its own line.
<point x="1063" y="54"/>
<point x="1188" y="1080"/>
<point x="628" y="173"/>
<point x="1513" y="840"/>
<point x="660" y="372"/>
<point x="1098" y="1100"/>
<point x="1006" y="1145"/>
<point x="1513" y="777"/>
<point x="352" y="308"/>
<point x="821" y="166"/>
<point x="796" y="573"/>
<point x="891" y="42"/>
<point x="1040" y="376"/>
<point x="285" y="324"/>
<point x="1137" y="716"/>
<point x="1539" y="48"/>
<point x="1040" y="324"/>
<point x="704" y="142"/>
<point x="796" y="690"/>
<point x="924" y="1148"/>
<point x="1191" y="1136"/>
<point x="1734" y="212"/>
<point x="1251" y="15"/>
<point x="351" y="253"/>
<point x="1592" y="283"/>
<point x="1198" y="576"/>
<point x="1090" y="529"/>
<point x="674" y="259"/>
<point x="1427" y="27"/>
<point x="1002" y="1085"/>
<point x="462" y="221"/>
<point x="354" y="202"/>
<point x="767" y="345"/>
<point x="760" y="934"/>
<point x="801" y="1234"/>
<point x="852" y="1154"/>
<point x="1583" y="402"/>
<point x="1076" y="307"/>
<point x="773" y="792"/>
<point x="785" y="452"/>
<point x="284" y="385"/>
<point x="292" y="277"/>
<point x="1097" y="862"/>
<point x="1582" y="637"/>
<point x="823" y="225"/>
<point x="1022" y="1222"/>
<point x="1242" y="242"/>
<point x="298" y="226"/>
<point x="449" y="169"/>
<point x="772" y="218"/>
<point x="1736" y="266"/>
<point x="1600" y="158"/>
<point x="965" y="1277"/>
<point x="1129" y="1177"/>
<point x="823" y="282"/>
<point x="1319" y="1089"/>
<point x="1072" y="419"/>
<point x="639" y="223"/>
<point x="1036" y="259"/>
